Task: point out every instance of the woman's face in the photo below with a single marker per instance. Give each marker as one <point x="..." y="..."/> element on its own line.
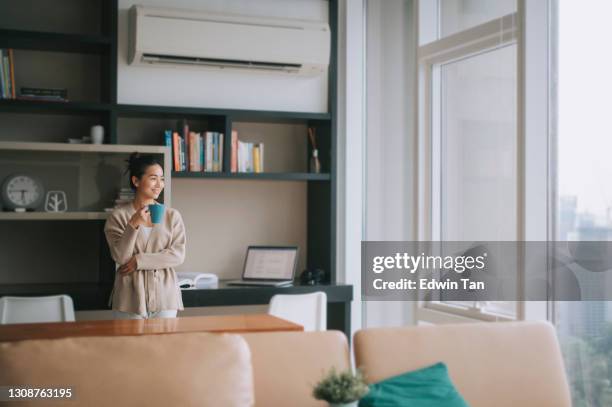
<point x="151" y="184"/>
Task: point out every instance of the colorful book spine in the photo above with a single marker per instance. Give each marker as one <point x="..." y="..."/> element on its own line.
<point x="12" y="70"/>
<point x="7" y="75"/>
<point x="234" y="152"/>
<point x="209" y="151"/>
<point x="183" y="156"/>
<point x="199" y="150"/>
<point x="243" y="151"/>
<point x="215" y="152"/>
<point x="191" y="151"/>
<point x="2" y="85"/>
<point x="168" y="138"/>
<point x="201" y="144"/>
<point x="185" y="129"/>
<point x="220" y="152"/>
<point x="176" y="151"/>
<point x="249" y="157"/>
<point x="256" y="167"/>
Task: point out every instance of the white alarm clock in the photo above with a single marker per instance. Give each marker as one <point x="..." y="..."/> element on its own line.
<point x="22" y="191"/>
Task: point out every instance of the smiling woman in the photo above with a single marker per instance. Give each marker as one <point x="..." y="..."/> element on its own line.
<point x="147" y="241"/>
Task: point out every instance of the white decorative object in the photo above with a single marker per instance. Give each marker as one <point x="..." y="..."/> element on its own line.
<point x="97" y="134"/>
<point x="56" y="201"/>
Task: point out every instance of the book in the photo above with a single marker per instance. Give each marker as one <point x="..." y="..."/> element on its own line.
<point x="1" y="74"/>
<point x="182" y="153"/>
<point x="243" y="156"/>
<point x="249" y="167"/>
<point x="12" y="72"/>
<point x="168" y="138"/>
<point x="192" y="151"/>
<point x="209" y="155"/>
<point x="175" y="151"/>
<point x="256" y="167"/>
<point x="215" y="138"/>
<point x="234" y="152"/>
<point x="201" y="150"/>
<point x="45" y="98"/>
<point x="220" y="152"/>
<point x="185" y="137"/>
<point x="3" y="69"/>
<point x="193" y="280"/>
<point x="59" y="93"/>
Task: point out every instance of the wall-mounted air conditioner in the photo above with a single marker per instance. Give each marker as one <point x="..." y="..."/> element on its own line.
<point x="224" y="41"/>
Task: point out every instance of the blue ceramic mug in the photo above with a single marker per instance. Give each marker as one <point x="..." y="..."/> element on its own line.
<point x="157" y="212"/>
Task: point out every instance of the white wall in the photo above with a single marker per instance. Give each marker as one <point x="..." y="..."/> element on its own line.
<point x="351" y="132"/>
<point x="390" y="153"/>
<point x="214" y="211"/>
<point x="198" y="87"/>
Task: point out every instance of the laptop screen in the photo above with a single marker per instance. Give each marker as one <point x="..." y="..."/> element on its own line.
<point x="270" y="263"/>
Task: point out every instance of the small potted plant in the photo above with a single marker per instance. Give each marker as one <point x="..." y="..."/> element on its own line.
<point x="341" y="389"/>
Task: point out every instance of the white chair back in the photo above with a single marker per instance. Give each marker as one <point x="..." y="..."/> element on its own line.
<point x="21" y="310"/>
<point x="308" y="310"/>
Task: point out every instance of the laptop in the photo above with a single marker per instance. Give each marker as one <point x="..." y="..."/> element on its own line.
<point x="268" y="266"/>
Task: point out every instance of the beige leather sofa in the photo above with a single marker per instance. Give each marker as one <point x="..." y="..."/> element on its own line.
<point x="491" y="364"/>
<point x="195" y="369"/>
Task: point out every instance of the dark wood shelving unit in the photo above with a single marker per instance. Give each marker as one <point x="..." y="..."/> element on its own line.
<point x="234" y="114"/>
<point x="57" y="42"/>
<point x="280" y="176"/>
<point x="321" y="188"/>
<point x="36" y="106"/>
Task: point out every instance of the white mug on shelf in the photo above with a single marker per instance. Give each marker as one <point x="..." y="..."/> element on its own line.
<point x="97" y="134"/>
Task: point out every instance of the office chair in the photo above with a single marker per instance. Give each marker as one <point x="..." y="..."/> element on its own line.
<point x="21" y="310"/>
<point x="308" y="310"/>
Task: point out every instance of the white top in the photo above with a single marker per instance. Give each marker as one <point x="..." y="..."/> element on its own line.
<point x="146" y="231"/>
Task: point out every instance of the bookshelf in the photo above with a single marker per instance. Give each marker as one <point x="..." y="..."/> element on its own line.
<point x="87" y="31"/>
<point x="86" y="199"/>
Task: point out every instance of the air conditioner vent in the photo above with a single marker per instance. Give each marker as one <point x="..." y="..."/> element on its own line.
<point x="169" y="37"/>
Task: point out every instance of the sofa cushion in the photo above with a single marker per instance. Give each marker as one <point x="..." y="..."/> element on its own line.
<point x="427" y="387"/>
<point x="194" y="369"/>
<point x="502" y="364"/>
<point x="287" y="365"/>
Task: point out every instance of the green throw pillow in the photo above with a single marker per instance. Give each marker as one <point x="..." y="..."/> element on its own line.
<point x="427" y="387"/>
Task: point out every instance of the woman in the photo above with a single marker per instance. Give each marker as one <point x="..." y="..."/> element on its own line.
<point x="145" y="282"/>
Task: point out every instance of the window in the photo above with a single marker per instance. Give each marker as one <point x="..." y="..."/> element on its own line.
<point x="458" y="15"/>
<point x="468" y="133"/>
<point x="584" y="186"/>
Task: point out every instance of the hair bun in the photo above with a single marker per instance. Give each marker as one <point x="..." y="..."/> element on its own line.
<point x="132" y="161"/>
<point x="133" y="157"/>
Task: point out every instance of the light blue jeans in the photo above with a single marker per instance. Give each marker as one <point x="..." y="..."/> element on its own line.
<point x="153" y="314"/>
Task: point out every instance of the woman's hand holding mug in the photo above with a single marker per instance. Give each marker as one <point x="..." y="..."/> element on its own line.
<point x="141" y="217"/>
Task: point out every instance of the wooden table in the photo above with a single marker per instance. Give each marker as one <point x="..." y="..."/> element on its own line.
<point x="218" y="324"/>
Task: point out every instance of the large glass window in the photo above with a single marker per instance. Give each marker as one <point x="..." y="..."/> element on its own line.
<point x="584" y="185"/>
<point x="477" y="185"/>
<point x="468" y="130"/>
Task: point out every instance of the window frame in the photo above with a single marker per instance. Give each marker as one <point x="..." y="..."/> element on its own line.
<point x="495" y="34"/>
<point x="536" y="143"/>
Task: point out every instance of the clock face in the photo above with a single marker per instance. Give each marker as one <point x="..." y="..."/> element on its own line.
<point x="22" y="191"/>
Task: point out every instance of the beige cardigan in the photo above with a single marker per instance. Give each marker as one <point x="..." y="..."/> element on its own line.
<point x="153" y="286"/>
